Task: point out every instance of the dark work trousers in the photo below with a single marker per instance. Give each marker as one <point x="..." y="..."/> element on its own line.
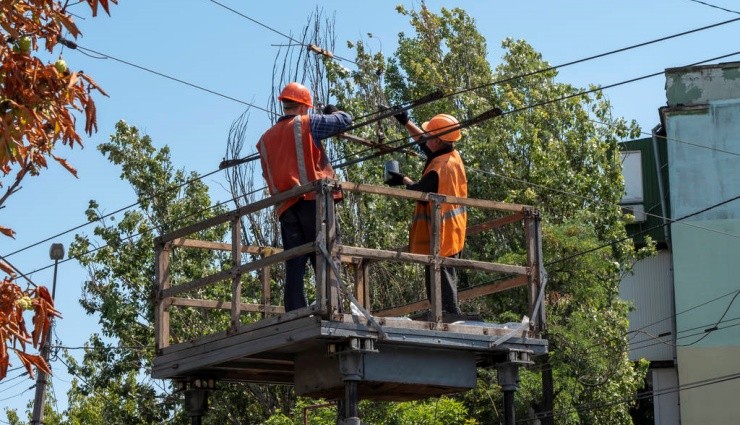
<point x="298" y="227"/>
<point x="449" y="287"/>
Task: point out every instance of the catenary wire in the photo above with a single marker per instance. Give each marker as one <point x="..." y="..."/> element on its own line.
<point x="639" y="396"/>
<point x="73" y="45"/>
<point x="543" y="103"/>
<point x="673" y="139"/>
<point x="252" y="157"/>
<point x="716" y="7"/>
<point x="178" y="187"/>
<point x="227" y="97"/>
<point x="274" y="30"/>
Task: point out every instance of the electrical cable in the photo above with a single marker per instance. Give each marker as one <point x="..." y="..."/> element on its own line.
<point x="6" y="380"/>
<point x="20" y="393"/>
<point x="73" y="45"/>
<point x="673" y="139"/>
<point x="585" y="198"/>
<point x="3" y="259"/>
<point x="276" y="31"/>
<point x="148" y="198"/>
<point x="639" y="396"/>
<point x="476" y="119"/>
<point x="671" y="220"/>
<point x="716" y="7"/>
<point x="480" y="118"/>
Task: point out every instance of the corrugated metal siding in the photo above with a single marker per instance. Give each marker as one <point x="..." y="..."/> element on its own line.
<point x="650" y="289"/>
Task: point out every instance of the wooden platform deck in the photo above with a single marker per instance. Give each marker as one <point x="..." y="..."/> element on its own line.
<point x="324" y="353"/>
<point x="411" y="359"/>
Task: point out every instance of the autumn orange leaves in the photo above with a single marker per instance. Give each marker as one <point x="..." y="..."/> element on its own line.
<point x="13" y="304"/>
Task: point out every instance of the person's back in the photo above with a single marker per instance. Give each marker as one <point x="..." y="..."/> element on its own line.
<point x="291" y="154"/>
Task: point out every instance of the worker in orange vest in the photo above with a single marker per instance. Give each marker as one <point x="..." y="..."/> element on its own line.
<point x="444" y="173"/>
<point x="291" y="154"/>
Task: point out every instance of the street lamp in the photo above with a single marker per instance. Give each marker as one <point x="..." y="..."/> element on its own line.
<point x="56" y="253"/>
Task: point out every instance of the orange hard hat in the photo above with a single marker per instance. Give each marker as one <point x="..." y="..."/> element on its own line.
<point x="296" y="92"/>
<point x="444" y="123"/>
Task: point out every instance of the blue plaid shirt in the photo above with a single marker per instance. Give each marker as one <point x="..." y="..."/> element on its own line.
<point x="323" y="126"/>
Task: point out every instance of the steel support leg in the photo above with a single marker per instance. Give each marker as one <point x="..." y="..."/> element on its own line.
<point x="351" y="367"/>
<point x="508" y="378"/>
<point x="196" y="397"/>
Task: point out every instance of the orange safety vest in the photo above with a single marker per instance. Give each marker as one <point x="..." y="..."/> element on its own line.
<point x="290" y="158"/>
<point x="452" y="181"/>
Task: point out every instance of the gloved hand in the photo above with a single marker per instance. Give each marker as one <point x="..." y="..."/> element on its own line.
<point x="396" y="179"/>
<point x="402" y="117"/>
<point x="329" y="109"/>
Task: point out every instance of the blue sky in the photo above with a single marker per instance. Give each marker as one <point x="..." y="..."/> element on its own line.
<point x="204" y="44"/>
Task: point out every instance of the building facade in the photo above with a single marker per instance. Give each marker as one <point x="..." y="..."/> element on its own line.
<point x="687" y="301"/>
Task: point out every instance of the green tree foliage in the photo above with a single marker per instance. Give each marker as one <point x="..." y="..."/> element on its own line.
<point x="553" y="148"/>
<point x="120" y="261"/>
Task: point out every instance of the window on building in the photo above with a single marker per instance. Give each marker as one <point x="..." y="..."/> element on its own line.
<point x="633" y="198"/>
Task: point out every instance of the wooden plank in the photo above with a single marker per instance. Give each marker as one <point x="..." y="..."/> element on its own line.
<point x="492" y="288"/>
<point x="424" y="196"/>
<point x="266" y="296"/>
<point x="225" y="217"/>
<point x="332" y="285"/>
<point x="493" y="224"/>
<point x="197" y="283"/>
<point x="290" y="319"/>
<point x="161" y="314"/>
<point x="245" y="268"/>
<point x="236" y="280"/>
<point x="247" y="249"/>
<point x="222" y="246"/>
<point x="464" y="294"/>
<point x="234" y="347"/>
<point x="383" y="255"/>
<point x="222" y="305"/>
<point x="435" y="275"/>
<point x="322" y="273"/>
<point x="404" y="309"/>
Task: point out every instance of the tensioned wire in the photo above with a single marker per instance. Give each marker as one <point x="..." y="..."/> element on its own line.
<point x="390" y="148"/>
<point x="383" y="114"/>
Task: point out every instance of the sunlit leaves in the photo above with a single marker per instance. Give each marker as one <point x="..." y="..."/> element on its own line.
<point x="554" y="148"/>
<point x="37" y="106"/>
<point x="13" y="332"/>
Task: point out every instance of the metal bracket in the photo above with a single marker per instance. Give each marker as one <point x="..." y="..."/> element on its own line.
<point x="508" y="376"/>
<point x="520" y="357"/>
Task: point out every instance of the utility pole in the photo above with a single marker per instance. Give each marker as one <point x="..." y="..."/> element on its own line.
<point x="56" y="253"/>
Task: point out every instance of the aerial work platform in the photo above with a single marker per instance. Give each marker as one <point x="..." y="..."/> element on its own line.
<point x="344" y="347"/>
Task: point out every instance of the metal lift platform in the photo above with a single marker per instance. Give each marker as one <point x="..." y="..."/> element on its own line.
<point x="375" y="353"/>
<point x="415" y="359"/>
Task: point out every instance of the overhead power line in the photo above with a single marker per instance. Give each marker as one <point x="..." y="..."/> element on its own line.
<point x="716" y="7"/>
<point x="639" y="396"/>
<point x="73" y="45"/>
<point x="311" y="47"/>
<point x="390" y="148"/>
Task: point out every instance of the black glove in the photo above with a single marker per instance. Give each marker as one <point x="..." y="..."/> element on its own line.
<point x="329" y="109"/>
<point x="402" y="117"/>
<point x="395" y="179"/>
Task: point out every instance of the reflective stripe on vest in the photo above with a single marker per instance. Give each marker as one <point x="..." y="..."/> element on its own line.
<point x="290" y="158"/>
<point x="453" y="182"/>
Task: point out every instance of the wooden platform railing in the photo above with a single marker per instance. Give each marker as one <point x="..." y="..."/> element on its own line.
<point x="169" y="295"/>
